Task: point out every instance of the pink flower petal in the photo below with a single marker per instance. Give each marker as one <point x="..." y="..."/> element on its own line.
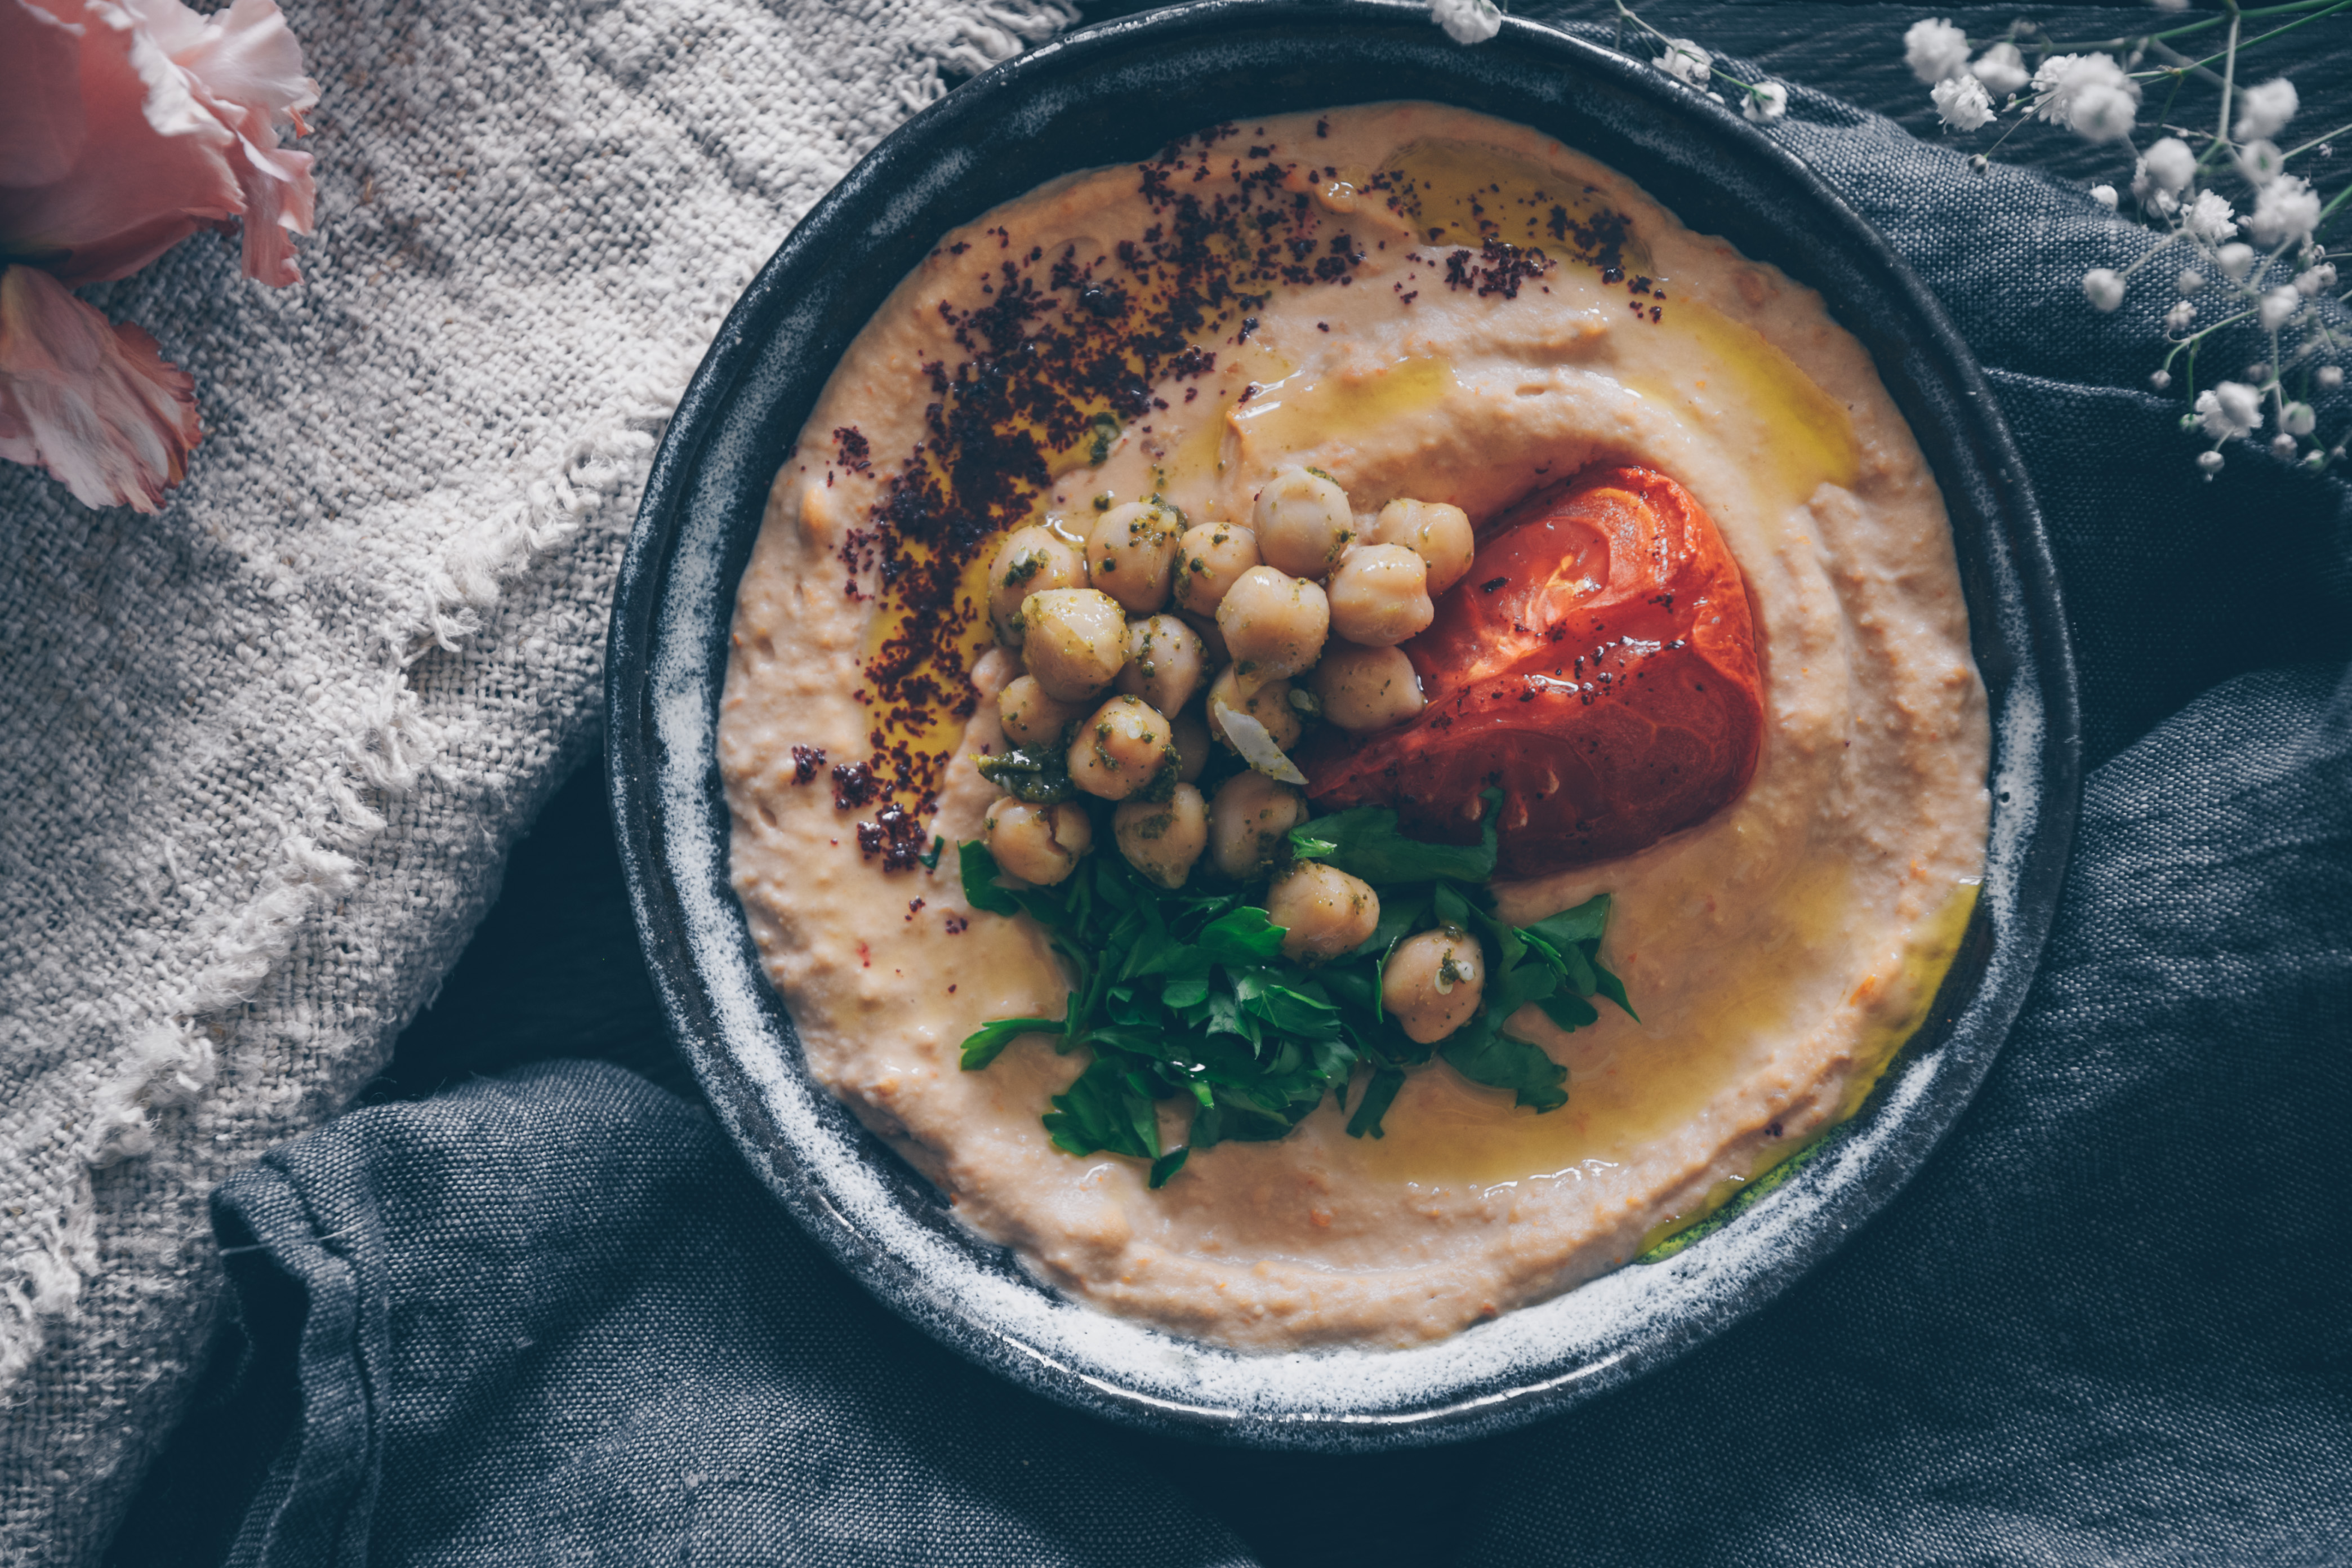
<point x="177" y="119"/>
<point x="247" y="55"/>
<point x="244" y="66"/>
<point x="279" y="203"/>
<point x="132" y="192"/>
<point x="41" y="120"/>
<point x="93" y="403"/>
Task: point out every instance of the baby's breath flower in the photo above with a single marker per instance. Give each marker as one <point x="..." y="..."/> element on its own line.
<point x="2298" y="419"/>
<point x="2287" y="209"/>
<point x="1935" y="50"/>
<point x="2236" y="260"/>
<point x="2230" y="409"/>
<point x="2160" y="379"/>
<point x="1766" y="103"/>
<point x="2278" y="306"/>
<point x="2211" y="462"/>
<point x="2263" y="110"/>
<point x="2258" y="372"/>
<point x="1979" y="162"/>
<point x="2330" y="377"/>
<point x="2088" y="93"/>
<point x="2105" y="195"/>
<point x="2103" y="287"/>
<point x="2179" y="318"/>
<point x="2001" y="69"/>
<point x="2168" y="165"/>
<point x="2189" y="282"/>
<point x="2261" y="162"/>
<point x="1467" y="21"/>
<point x="2282" y="447"/>
<point x="1962" y="103"/>
<point x="2210" y="216"/>
<point x="1686" y="62"/>
<point x="2316" y="280"/>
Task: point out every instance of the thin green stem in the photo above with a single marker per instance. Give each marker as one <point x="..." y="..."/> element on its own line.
<point x="2178" y="81"/>
<point x="2232" y="51"/>
<point x="2229" y="79"/>
<point x="2298" y="151"/>
<point x="2184" y="30"/>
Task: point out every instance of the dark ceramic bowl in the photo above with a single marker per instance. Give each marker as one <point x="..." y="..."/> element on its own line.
<point x="1117" y="93"/>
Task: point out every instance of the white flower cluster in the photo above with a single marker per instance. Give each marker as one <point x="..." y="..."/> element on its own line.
<point x="2090" y="94"/>
<point x="2271" y="281"/>
<point x="1687" y="63"/>
<point x="1467" y="21"/>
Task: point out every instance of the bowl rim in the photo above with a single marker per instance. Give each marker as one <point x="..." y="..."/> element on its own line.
<point x="663" y="677"/>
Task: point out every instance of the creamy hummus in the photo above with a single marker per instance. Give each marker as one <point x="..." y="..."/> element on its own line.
<point x="1419" y="301"/>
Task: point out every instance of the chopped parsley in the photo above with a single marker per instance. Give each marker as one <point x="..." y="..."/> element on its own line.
<point x="1184" y="997"/>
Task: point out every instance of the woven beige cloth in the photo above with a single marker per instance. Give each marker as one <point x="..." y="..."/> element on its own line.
<point x="261" y="756"/>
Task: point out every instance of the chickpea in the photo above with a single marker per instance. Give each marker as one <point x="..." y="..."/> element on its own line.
<point x="1274" y="623"/>
<point x="1212" y="641"/>
<point x="1248" y="820"/>
<point x="1031" y="561"/>
<point x="1268" y="703"/>
<point x="1130" y="552"/>
<point x="1120" y="749"/>
<point x="1076" y="641"/>
<point x="1440" y="534"/>
<point x="1303" y="522"/>
<point x="1322" y="910"/>
<point x="1432" y="982"/>
<point x="1190" y="739"/>
<point x="1038" y="844"/>
<point x="1029" y="717"/>
<point x="1208" y="558"/>
<point x="1367" y="688"/>
<point x="1162" y="839"/>
<point x="1165" y="662"/>
<point x="1379" y="596"/>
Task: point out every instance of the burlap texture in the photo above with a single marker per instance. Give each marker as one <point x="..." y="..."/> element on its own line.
<point x="261" y="756"/>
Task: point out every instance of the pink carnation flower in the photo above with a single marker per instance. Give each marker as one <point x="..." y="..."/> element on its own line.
<point x="125" y="126"/>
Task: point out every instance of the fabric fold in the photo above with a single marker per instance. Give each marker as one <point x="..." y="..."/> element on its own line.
<point x="551" y="1318"/>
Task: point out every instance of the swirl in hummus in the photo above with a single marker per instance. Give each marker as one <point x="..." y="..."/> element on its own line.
<point x="1406" y="303"/>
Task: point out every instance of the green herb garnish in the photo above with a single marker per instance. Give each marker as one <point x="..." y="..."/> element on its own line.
<point x="1185" y="998"/>
<point x="1040" y="776"/>
<point x="1106" y="427"/>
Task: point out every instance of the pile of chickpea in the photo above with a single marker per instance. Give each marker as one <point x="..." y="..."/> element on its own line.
<point x="1309" y="598"/>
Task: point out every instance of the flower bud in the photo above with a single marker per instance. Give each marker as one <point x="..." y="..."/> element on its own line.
<point x="2103" y="287"/>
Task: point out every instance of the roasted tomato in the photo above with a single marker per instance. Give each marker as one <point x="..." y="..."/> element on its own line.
<point x="1598" y="665"/>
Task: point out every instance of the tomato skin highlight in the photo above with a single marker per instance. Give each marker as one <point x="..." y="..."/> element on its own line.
<point x="1598" y="664"/>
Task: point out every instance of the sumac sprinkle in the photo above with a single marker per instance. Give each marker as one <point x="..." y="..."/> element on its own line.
<point x="855" y="455"/>
<point x="853" y="785"/>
